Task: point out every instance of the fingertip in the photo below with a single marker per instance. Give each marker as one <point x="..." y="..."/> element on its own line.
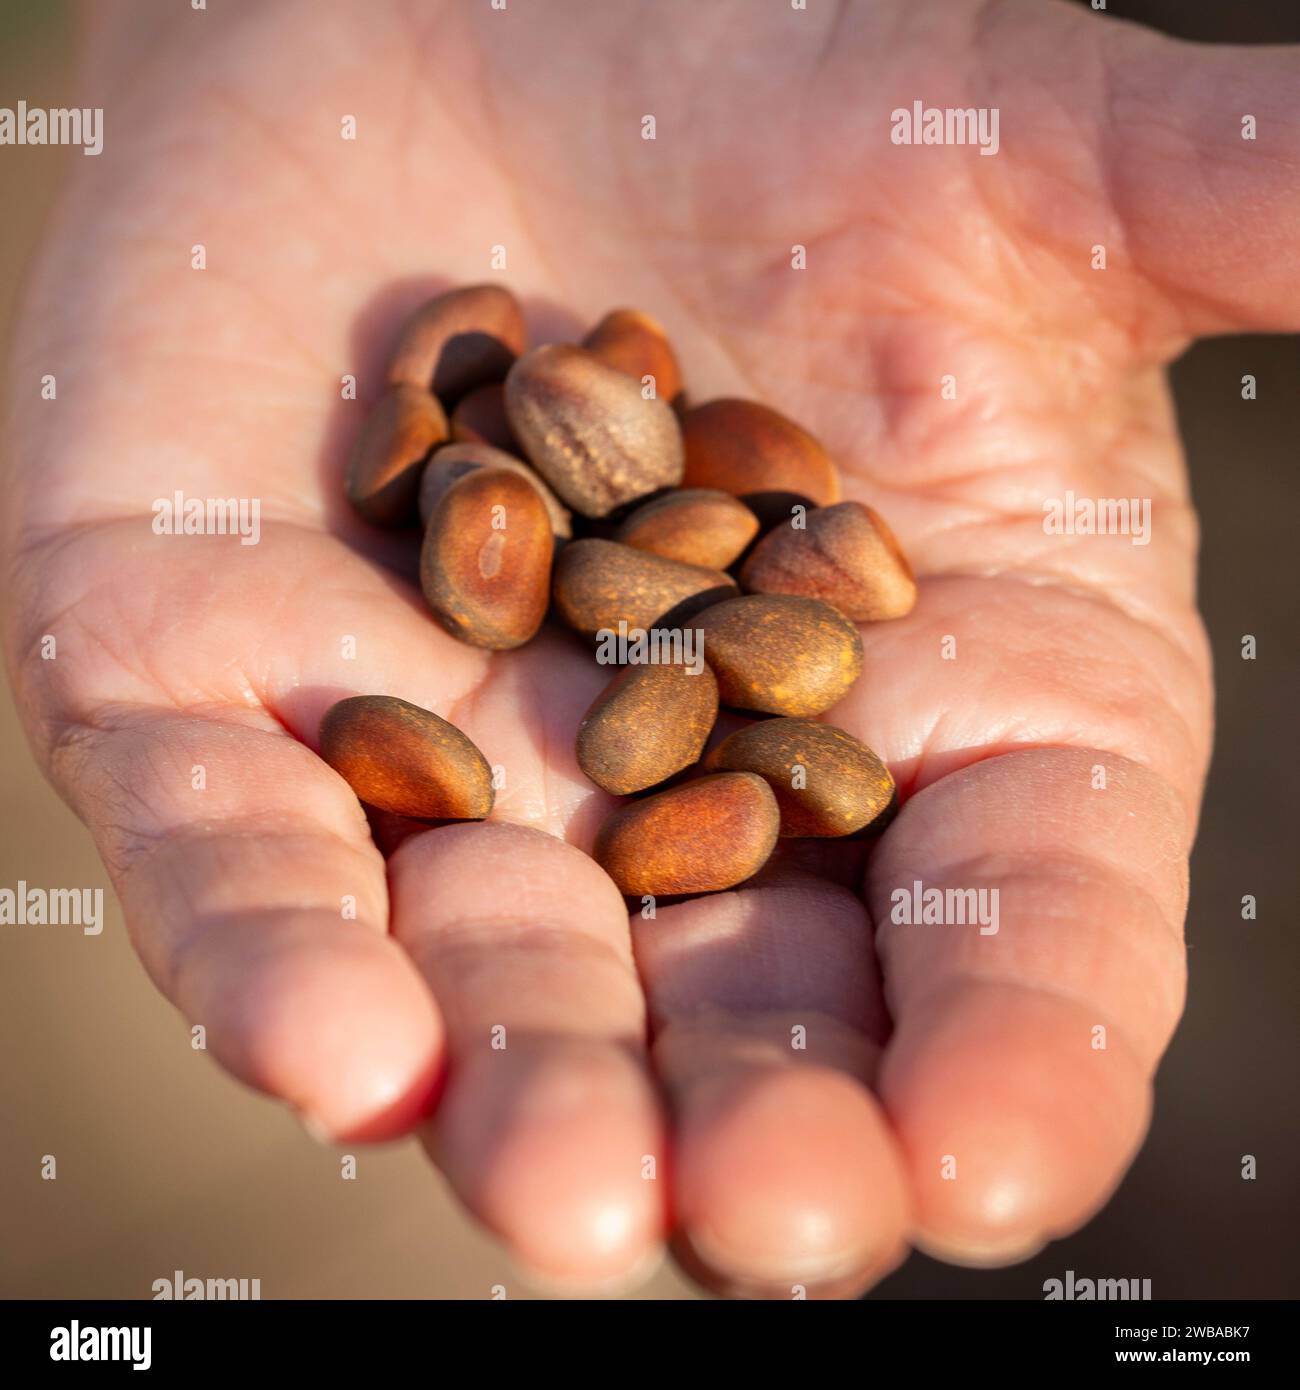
<point x="788" y="1185"/>
<point x="1015" y="1130"/>
<point x="558" y="1148"/>
<point x="335" y="1020"/>
<point x="549" y="1127"/>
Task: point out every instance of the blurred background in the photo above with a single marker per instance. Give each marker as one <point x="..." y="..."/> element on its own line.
<point x="166" y="1164"/>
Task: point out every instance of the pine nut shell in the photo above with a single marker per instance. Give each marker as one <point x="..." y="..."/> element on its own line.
<point x="702" y="837"/>
<point x="599" y="583"/>
<point x="453" y="461"/>
<point x="458" y="341"/>
<point x="480" y="418"/>
<point x="401" y="758"/>
<point x="635" y="343"/>
<point x="648" y="723"/>
<point x="389" y="454"/>
<point x="780" y="654"/>
<point x="697" y="526"/>
<point x="589" y="432"/>
<point x="844" y="555"/>
<point x="756" y="453"/>
<point x="845" y="786"/>
<point x="485" y="566"/>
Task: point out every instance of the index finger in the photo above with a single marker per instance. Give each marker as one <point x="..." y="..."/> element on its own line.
<point x="257" y="904"/>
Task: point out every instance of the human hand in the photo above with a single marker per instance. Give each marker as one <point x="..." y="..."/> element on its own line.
<point x="522" y="129"/>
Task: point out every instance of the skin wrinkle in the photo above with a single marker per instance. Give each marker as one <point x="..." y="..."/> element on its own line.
<point x="662" y="249"/>
<point x="731" y="355"/>
<point x="922" y="778"/>
<point x="203" y="936"/>
<point x="146" y="339"/>
<point x="1085" y="187"/>
<point x="1075" y="585"/>
<point x="833" y="30"/>
<point x="136" y="849"/>
<point x="94" y="635"/>
<point x="463" y="709"/>
<point x="952" y="488"/>
<point x="911" y="240"/>
<point x="467" y="971"/>
<point x="1021" y="477"/>
<point x="272" y="141"/>
<point x="1112" y="74"/>
<point x="798" y="974"/>
<point x="1114" y="235"/>
<point x="961" y="981"/>
<point x="919" y="781"/>
<point x="164" y="859"/>
<point x="275" y="319"/>
<point x="949" y="487"/>
<point x="305" y="376"/>
<point x="470" y="931"/>
<point x="972" y="870"/>
<point x="698" y="201"/>
<point x="758" y="1042"/>
<point x="1192" y="167"/>
<point x="1132" y="773"/>
<point x="402" y="151"/>
<point x="510" y="179"/>
<point x="467" y="129"/>
<point x="64" y="536"/>
<point x="145" y="347"/>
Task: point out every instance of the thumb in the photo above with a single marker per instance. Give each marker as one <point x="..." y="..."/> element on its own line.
<point x="1201" y="153"/>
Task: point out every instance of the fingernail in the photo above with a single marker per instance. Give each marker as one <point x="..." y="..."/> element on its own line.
<point x="611" y="1286"/>
<point x="782" y="1268"/>
<point x="316" y="1128"/>
<point x="990" y="1254"/>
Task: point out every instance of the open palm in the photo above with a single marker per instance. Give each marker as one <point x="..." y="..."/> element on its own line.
<point x="953" y="1090"/>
